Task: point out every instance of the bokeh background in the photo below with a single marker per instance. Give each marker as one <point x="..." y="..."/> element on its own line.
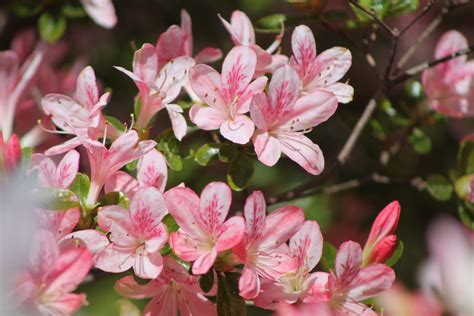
<point x="342" y="216"/>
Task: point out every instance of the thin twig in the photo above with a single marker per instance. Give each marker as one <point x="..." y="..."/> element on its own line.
<point x="418" y="17"/>
<point x="371" y="13"/>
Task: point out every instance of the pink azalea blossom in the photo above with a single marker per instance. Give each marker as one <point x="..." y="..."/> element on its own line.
<point x="152" y="171"/>
<point x="80" y="116"/>
<point x="323" y="71"/>
<point x="204" y="231"/>
<point x="101" y="12"/>
<point x="382" y="241"/>
<point x="228" y="95"/>
<point x="450" y="85"/>
<point x="159" y="87"/>
<point x="10" y="153"/>
<point x="105" y="162"/>
<point x="242" y="33"/>
<point x="350" y="284"/>
<point x="314" y="309"/>
<point x="15" y="79"/>
<point x="283" y="117"/>
<point x="174" y="290"/>
<point x="53" y="273"/>
<point x="137" y="235"/>
<point x="259" y="249"/>
<point x="177" y="41"/>
<point x="301" y="285"/>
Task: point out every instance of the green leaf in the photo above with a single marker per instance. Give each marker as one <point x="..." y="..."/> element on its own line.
<point x="115" y="123"/>
<point x="240" y="172"/>
<point x="467" y="217"/>
<point x="169" y="146"/>
<point x="439" y="187"/>
<point x="205" y="153"/>
<point x="397" y="254"/>
<point x="462" y="186"/>
<point x="420" y="142"/>
<point x="132" y="165"/>
<point x="51" y="27"/>
<point x="80" y="187"/>
<point x="400" y="7"/>
<point x="115" y="198"/>
<point x="272" y="22"/>
<point x="228" y="152"/>
<point x="466" y="157"/>
<point x="175" y="161"/>
<point x="170" y="223"/>
<point x="206" y="281"/>
<point x="229" y="303"/>
<point x="328" y="258"/>
<point x="377" y="129"/>
<point x="58" y="199"/>
<point x="73" y="11"/>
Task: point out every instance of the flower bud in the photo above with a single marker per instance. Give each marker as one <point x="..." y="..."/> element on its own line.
<point x="10" y="153"/>
<point x="383" y="250"/>
<point x="385" y="224"/>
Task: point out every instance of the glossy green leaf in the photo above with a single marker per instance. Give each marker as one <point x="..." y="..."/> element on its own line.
<point x="328" y="258"/>
<point x="228" y="152"/>
<point x="420" y="141"/>
<point x="440" y="187"/>
<point x="414" y="89"/>
<point x="115" y="198"/>
<point x="132" y="165"/>
<point x="80" y="187"/>
<point x="51" y="27"/>
<point x="466" y="157"/>
<point x="271" y="22"/>
<point x="58" y="199"/>
<point x="73" y="11"/>
<point x="206" y="281"/>
<point x="397" y="254"/>
<point x="229" y="303"/>
<point x="205" y="153"/>
<point x="467" y="217"/>
<point x="170" y="223"/>
<point x="175" y="161"/>
<point x="240" y="172"/>
<point x="462" y="186"/>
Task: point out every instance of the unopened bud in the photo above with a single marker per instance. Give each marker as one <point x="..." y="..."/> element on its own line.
<point x="383" y="250"/>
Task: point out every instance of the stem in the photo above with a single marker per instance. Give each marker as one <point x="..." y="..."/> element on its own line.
<point x="373" y="15"/>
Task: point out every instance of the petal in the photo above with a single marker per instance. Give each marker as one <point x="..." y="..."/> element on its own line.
<point x="147" y="209"/>
<point x="306" y="246"/>
<point x="59" y="223"/>
<point x="148" y="266"/>
<point x="204" y="263"/>
<point x="348" y="260"/>
<point x="331" y="66"/>
<point x="171" y="44"/>
<point x="173" y="76"/>
<point x="449" y="43"/>
<point x="238" y="130"/>
<point x="237" y="72"/>
<point x="206" y="83"/>
<point x="185" y="246"/>
<point x="214" y="204"/>
<point x="384" y="225"/>
<point x="152" y="170"/>
<point x="46" y="170"/>
<point x="145" y="63"/>
<point x="86" y="88"/>
<point x="261" y="112"/>
<point x="249" y="284"/>
<point x="240" y="28"/>
<point x="208" y="55"/>
<point x="128" y="287"/>
<point x="343" y="92"/>
<point x="195" y="303"/>
<point x="67" y="169"/>
<point x="122" y="182"/>
<point x="303" y="151"/>
<point x="371" y="281"/>
<point x="267" y="148"/>
<point x="352" y="308"/>
<point x="66" y="113"/>
<point x="64" y="147"/>
<point x="111" y="215"/>
<point x="255" y="210"/>
<point x="101" y="11"/>
<point x="206" y="118"/>
<point x="318" y="291"/>
<point x="94" y="240"/>
<point x="255" y="87"/>
<point x="275" y="234"/>
<point x="284" y="89"/>
<point x="115" y="259"/>
<point x="163" y="304"/>
<point x="177" y="120"/>
<point x="273" y="294"/>
<point x="304" y="50"/>
<point x="232" y="232"/>
<point x="186" y="27"/>
<point x="65" y="304"/>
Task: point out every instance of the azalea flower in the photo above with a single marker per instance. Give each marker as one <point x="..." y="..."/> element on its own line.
<point x="382" y="241"/>
<point x="242" y="33"/>
<point x="10" y="153"/>
<point x="323" y="71"/>
<point x="15" y="79"/>
<point x="350" y="284"/>
<point x="105" y="161"/>
<point x="319" y="309"/>
<point x="228" y="95"/>
<point x="81" y="116"/>
<point x="264" y="235"/>
<point x="450" y="85"/>
<point x="101" y="12"/>
<point x="53" y="273"/>
<point x="137" y="235"/>
<point x="174" y="290"/>
<point x="159" y="87"/>
<point x="203" y="231"/>
<point x="152" y="171"/>
<point x="301" y="285"/>
<point x="177" y="41"/>
<point x="283" y="117"/>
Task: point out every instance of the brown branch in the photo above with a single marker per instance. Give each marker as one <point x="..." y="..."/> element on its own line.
<point x="418" y="17"/>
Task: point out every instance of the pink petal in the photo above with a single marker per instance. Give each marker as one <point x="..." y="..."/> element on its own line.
<point x="43" y="253"/>
<point x="304" y="50"/>
<point x="185" y="247"/>
<point x="94" y="240"/>
<point x="59" y="223"/>
<point x="348" y="260"/>
<point x="208" y="55"/>
<point x="173" y="76"/>
<point x="261" y="112"/>
<point x="46" y="170"/>
<point x="383" y="250"/>
<point x="111" y="215"/>
<point x="274" y="235"/>
<point x="232" y="232"/>
<point x="385" y="224"/>
<point x="86" y="88"/>
<point x="204" y="263"/>
<point x="214" y="204"/>
<point x="267" y="148"/>
<point x="331" y="66"/>
<point x="255" y="87"/>
<point x="239" y="130"/>
<point x="147" y="209"/>
<point x="145" y="63"/>
<point x="318" y="292"/>
<point x="178" y="121"/>
<point x="128" y="287"/>
<point x="303" y="151"/>
<point x="307" y="245"/>
<point x="255" y="210"/>
<point x="206" y="83"/>
<point x="65" y="112"/>
<point x="163" y="304"/>
<point x="249" y="284"/>
<point x="171" y="44"/>
<point x="449" y="43"/>
<point x="115" y="259"/>
<point x="186" y="27"/>
<point x="122" y="182"/>
<point x="192" y="303"/>
<point x="206" y="118"/>
<point x="237" y="72"/>
<point x="148" y="266"/>
<point x="101" y="11"/>
<point x="64" y="147"/>
<point x="284" y="89"/>
<point x="152" y="170"/>
<point x="240" y="28"/>
<point x="343" y="92"/>
<point x="273" y="294"/>
<point x="371" y="281"/>
<point x="65" y="304"/>
<point x="67" y="169"/>
<point x="352" y="308"/>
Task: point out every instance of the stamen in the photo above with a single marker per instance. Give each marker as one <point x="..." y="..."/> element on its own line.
<point x="105" y="133"/>
<point x="53" y="131"/>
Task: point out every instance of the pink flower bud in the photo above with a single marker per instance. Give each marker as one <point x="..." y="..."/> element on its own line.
<point x="383" y="250"/>
<point x="385" y="224"/>
<point x="10" y="153"/>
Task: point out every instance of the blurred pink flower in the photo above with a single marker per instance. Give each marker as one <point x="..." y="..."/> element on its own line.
<point x="53" y="272"/>
<point x="137" y="235"/>
<point x="101" y="12"/>
<point x="450" y="85"/>
<point x="242" y="33"/>
<point x="314" y="309"/>
<point x="203" y="231"/>
<point x="10" y="153"/>
<point x="174" y="290"/>
<point x="283" y="117"/>
<point x="323" y="71"/>
<point x="263" y="237"/>
<point x="228" y="95"/>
